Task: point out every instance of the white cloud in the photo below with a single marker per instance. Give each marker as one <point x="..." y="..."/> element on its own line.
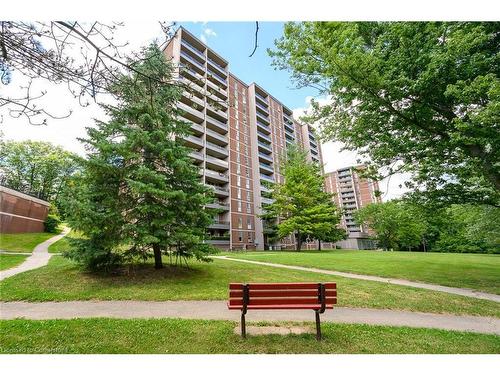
<point x="209" y="32"/>
<point x="335" y="158"/>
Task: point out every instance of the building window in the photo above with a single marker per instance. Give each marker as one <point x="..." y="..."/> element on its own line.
<point x="239" y="206"/>
<point x="240" y="223"/>
<point x="247" y="183"/>
<point x="249" y="209"/>
<point x="240" y="236"/>
<point x="239" y="193"/>
<point x="238" y="181"/>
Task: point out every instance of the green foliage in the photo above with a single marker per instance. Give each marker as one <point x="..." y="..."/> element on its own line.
<point x="139" y="193"/>
<point x="53" y="220"/>
<point x="421" y="97"/>
<point x="36" y="168"/>
<point x="397" y="225"/>
<point x="303" y="207"/>
<point x="403" y="225"/>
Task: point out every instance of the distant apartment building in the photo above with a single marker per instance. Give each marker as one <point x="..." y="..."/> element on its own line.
<point x="239" y="133"/>
<point x="352" y="192"/>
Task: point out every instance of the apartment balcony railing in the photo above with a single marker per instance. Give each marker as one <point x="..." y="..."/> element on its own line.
<point x="289" y="137"/>
<point x="264" y="136"/>
<point x="217" y="162"/>
<point x="266" y="178"/>
<point x="192" y="48"/>
<point x="189" y="110"/>
<point x="217" y="88"/>
<point x="314" y="151"/>
<point x="287" y="118"/>
<point x="257" y="95"/>
<point x="192" y="140"/>
<point x="263" y="107"/>
<point x="219" y="225"/>
<point x="192" y="60"/>
<point x="220" y="112"/>
<point x="264" y="146"/>
<point x="265" y="189"/>
<point x="266" y="168"/>
<point x="217" y="76"/>
<point x="191" y="97"/>
<point x="218" y="124"/>
<point x="217" y="175"/>
<point x="196" y="155"/>
<point x="219" y="190"/>
<point x="216" y="150"/>
<point x="264" y="127"/>
<point x="266" y="200"/>
<point x="219" y="68"/>
<point x="262" y="118"/>
<point x="218" y="206"/>
<point x="265" y="157"/>
<point x="217" y="137"/>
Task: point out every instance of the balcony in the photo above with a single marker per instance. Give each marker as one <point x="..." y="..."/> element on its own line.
<point x="214" y="107"/>
<point x="265" y="157"/>
<point x="215" y="176"/>
<point x="216" y="138"/>
<point x="262" y="107"/>
<point x="192" y="48"/>
<point x="265" y="147"/>
<point x="266" y="168"/>
<point x="218" y="224"/>
<point x="266" y="200"/>
<point x="264" y="127"/>
<point x="216" y="124"/>
<point x="289" y="137"/>
<point x="216" y="78"/>
<point x="192" y="62"/>
<point x="264" y="136"/>
<point x="197" y="156"/>
<point x="289" y="128"/>
<point x="266" y="178"/>
<point x="190" y="98"/>
<point x="262" y="118"/>
<point x="219" y="89"/>
<point x="219" y="206"/>
<point x="259" y="96"/>
<point x="216" y="150"/>
<point x="192" y="81"/>
<point x="192" y="141"/>
<point x="265" y="189"/>
<point x="191" y="113"/>
<point x="217" y="164"/>
<point x="287" y="118"/>
<point x="219" y="190"/>
<point x="196" y="129"/>
<point x="220" y="70"/>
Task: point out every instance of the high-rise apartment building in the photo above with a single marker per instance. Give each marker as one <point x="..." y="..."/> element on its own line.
<point x="352" y="192"/>
<point x="239" y="133"/>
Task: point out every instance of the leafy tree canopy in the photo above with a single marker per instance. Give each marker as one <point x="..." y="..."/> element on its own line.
<point x="301" y="205"/>
<point x="421" y="97"/>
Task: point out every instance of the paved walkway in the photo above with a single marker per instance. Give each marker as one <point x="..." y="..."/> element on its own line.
<point x="439" y="288"/>
<point x="39" y="257"/>
<point x="218" y="310"/>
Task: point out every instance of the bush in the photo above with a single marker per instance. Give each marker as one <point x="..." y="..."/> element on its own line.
<point x="52" y="223"/>
<point x="93" y="255"/>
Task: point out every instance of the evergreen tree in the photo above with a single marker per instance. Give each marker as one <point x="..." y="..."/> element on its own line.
<point x="140" y="191"/>
<point x="301" y="205"/>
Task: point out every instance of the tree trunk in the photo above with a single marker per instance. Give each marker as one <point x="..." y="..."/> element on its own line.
<point x="319" y="245"/>
<point x="157" y="252"/>
<point x="298" y="240"/>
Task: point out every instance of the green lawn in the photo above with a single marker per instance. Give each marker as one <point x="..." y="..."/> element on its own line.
<point x="474" y="271"/>
<point x="10" y="260"/>
<point x="175" y="336"/>
<point x="22" y="242"/>
<point x="63" y="244"/>
<point x="61" y="280"/>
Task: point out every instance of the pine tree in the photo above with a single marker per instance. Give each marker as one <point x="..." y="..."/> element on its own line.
<point x="301" y="205"/>
<point x="140" y="192"/>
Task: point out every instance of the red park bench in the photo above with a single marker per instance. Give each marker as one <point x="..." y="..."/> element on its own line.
<point x="284" y="296"/>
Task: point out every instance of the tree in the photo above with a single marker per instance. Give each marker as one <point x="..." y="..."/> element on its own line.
<point x="397" y="225"/>
<point x="140" y="191"/>
<point x="84" y="56"/>
<point x="420" y="97"/>
<point x="301" y="205"/>
<point x="36" y="168"/>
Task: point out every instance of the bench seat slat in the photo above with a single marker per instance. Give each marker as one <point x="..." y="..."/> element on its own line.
<point x="280" y="301"/>
<point x="280" y="307"/>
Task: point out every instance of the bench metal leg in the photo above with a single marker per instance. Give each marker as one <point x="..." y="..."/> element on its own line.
<point x="318" y="326"/>
<point x="243" y="326"/>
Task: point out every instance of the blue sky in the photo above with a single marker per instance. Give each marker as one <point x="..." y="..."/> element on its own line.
<point x="234" y="41"/>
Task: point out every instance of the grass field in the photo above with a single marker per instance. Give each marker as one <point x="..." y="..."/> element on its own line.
<point x="61" y="280"/>
<point x="11" y="260"/>
<point x="204" y="336"/>
<point x="474" y="271"/>
<point x="22" y="242"/>
<point x="63" y="244"/>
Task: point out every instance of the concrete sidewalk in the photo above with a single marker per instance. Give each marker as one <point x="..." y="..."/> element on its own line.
<point x="438" y="288"/>
<point x="39" y="257"/>
<point x="218" y="310"/>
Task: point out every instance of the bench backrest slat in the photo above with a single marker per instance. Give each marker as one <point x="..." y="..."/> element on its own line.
<point x="282" y="294"/>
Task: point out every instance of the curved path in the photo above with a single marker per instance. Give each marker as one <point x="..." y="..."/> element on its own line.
<point x="39" y="257"/>
<point x="218" y="310"/>
<point x="439" y="288"/>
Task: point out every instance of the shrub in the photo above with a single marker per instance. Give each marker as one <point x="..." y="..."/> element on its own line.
<point x="52" y="223"/>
